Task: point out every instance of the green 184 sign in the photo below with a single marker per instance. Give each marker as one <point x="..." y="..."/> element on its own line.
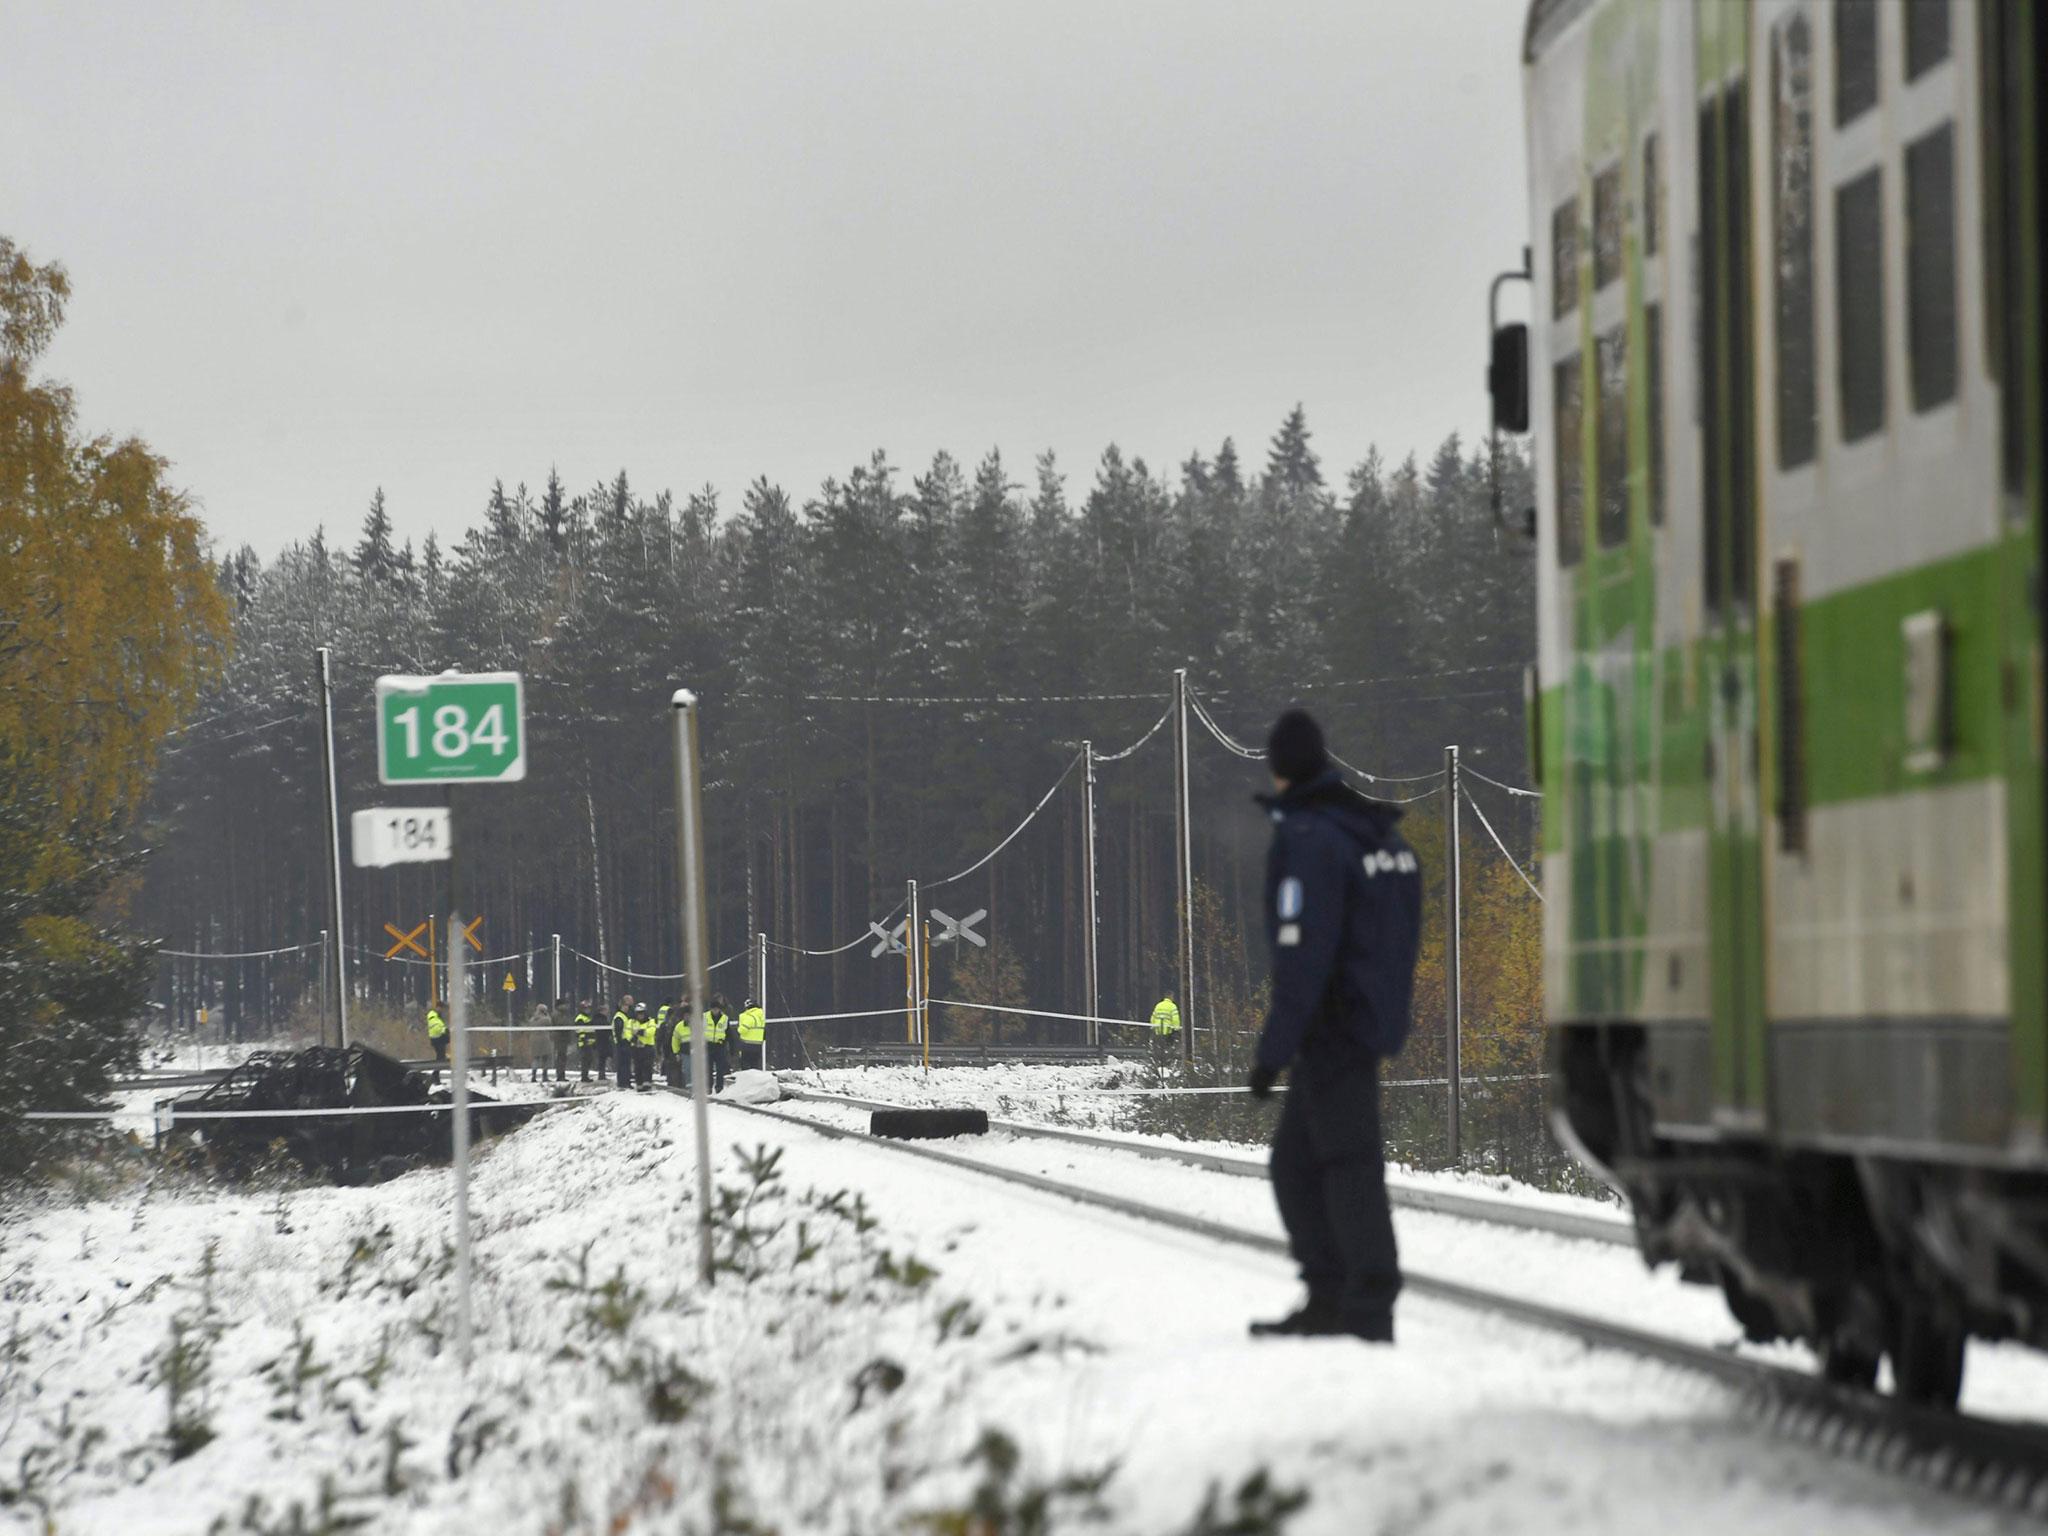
<point x="460" y="727"/>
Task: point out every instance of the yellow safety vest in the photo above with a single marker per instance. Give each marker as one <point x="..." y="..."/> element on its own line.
<point x="437" y="1027"/>
<point x="643" y="1031"/>
<point x="622" y="1027"/>
<point x="1166" y="1018"/>
<point x="753" y="1027"/>
<point x="583" y="1022"/>
<point x="714" y="1028"/>
<point x="681" y="1035"/>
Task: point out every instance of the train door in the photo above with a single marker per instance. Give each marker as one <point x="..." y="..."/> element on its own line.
<point x="1730" y="639"/>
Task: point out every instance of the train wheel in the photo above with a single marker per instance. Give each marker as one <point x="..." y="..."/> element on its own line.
<point x="1848" y="1364"/>
<point x="1927" y="1357"/>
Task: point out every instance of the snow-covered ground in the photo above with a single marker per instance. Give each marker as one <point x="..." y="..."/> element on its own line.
<point x="855" y="1351"/>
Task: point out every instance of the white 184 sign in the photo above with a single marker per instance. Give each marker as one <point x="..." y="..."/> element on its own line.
<point x="400" y="834"/>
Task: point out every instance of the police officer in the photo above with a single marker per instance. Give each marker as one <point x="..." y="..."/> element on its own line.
<point x="643" y="1034"/>
<point x="437" y="1033"/>
<point x="753" y="1031"/>
<point x="714" y="1042"/>
<point x="586" y="1040"/>
<point x="1166" y="1028"/>
<point x="1344" y="918"/>
<point x="679" y="1050"/>
<point x="622" y="1040"/>
<point x="661" y="1052"/>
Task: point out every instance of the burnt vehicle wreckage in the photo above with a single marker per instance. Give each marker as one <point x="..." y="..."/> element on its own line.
<point x="301" y="1099"/>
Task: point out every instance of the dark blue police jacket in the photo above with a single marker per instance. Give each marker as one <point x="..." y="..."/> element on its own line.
<point x="1344" y="918"/>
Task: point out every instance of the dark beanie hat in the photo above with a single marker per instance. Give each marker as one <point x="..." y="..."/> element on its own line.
<point x="1295" y="750"/>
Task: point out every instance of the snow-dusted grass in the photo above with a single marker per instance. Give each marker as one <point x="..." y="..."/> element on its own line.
<point x="282" y="1358"/>
<point x="890" y="1347"/>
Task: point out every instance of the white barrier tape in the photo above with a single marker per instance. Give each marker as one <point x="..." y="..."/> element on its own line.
<point x="80" y="1114"/>
<point x="819" y="1018"/>
<point x="171" y="1115"/>
<point x="1037" y="1013"/>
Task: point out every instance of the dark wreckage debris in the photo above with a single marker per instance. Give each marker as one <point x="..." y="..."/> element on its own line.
<point x="348" y="1148"/>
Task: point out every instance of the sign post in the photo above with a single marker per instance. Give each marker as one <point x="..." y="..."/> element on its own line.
<point x="690" y="873"/>
<point x="455" y="728"/>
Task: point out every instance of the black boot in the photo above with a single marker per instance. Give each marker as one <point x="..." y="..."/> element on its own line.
<point x="1318" y="1317"/>
<point x="1378" y="1328"/>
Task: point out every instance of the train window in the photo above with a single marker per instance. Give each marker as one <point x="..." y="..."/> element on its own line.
<point x="1792" y="208"/>
<point x="1564" y="258"/>
<point x="1855" y="59"/>
<point x="1606" y="226"/>
<point x="1926" y="35"/>
<point x="1570" y="415"/>
<point x="1859" y="304"/>
<point x="1931" y="267"/>
<point x="1653" y="370"/>
<point x="1610" y="435"/>
<point x="1653" y="198"/>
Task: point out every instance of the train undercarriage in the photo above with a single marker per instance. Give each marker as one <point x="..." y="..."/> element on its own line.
<point x="1866" y="1256"/>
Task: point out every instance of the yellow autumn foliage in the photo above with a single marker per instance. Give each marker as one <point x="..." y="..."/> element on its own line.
<point x="111" y="620"/>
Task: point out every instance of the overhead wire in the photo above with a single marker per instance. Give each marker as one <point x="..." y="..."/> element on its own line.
<point x="246" y="954"/>
<point x="1117" y="757"/>
<point x="933" y="885"/>
<point x="1503" y="847"/>
<point x="1513" y="789"/>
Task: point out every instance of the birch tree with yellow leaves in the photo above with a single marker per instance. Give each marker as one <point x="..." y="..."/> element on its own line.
<point x="111" y="622"/>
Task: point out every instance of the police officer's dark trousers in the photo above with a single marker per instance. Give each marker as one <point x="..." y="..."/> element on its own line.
<point x="714" y="1058"/>
<point x="1330" y="1180"/>
<point x="624" y="1054"/>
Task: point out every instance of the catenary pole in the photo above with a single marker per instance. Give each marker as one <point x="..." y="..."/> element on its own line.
<point x="690" y="868"/>
<point x="1183" y="866"/>
<point x="761" y="991"/>
<point x="458" y="997"/>
<point x="1091" y="955"/>
<point x="325" y="657"/>
<point x="326" y="959"/>
<point x="1453" y="915"/>
<point x="910" y="964"/>
<point x="555" y="992"/>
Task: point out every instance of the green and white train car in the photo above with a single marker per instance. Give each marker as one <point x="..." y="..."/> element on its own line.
<point x="1784" y="372"/>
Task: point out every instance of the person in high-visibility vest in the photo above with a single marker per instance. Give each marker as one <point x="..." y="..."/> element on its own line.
<point x="1165" y="1027"/>
<point x="586" y="1039"/>
<point x="643" y="1033"/>
<point x="714" y="1042"/>
<point x="437" y="1032"/>
<point x="753" y="1027"/>
<point x="678" y="1063"/>
<point x="622" y="1040"/>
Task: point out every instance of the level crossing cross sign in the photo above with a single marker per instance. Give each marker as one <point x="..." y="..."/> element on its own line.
<point x="891" y="939"/>
<point x="457" y="728"/>
<point x="960" y="928"/>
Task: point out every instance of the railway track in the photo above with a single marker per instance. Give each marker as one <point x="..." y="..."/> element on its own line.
<point x="1613" y="1230"/>
<point x="1991" y="1460"/>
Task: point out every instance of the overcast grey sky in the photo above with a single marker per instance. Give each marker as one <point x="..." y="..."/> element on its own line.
<point x="320" y="248"/>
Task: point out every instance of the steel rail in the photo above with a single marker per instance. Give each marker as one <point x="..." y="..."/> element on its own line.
<point x="1992" y="1460"/>
<point x="1443" y="1202"/>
